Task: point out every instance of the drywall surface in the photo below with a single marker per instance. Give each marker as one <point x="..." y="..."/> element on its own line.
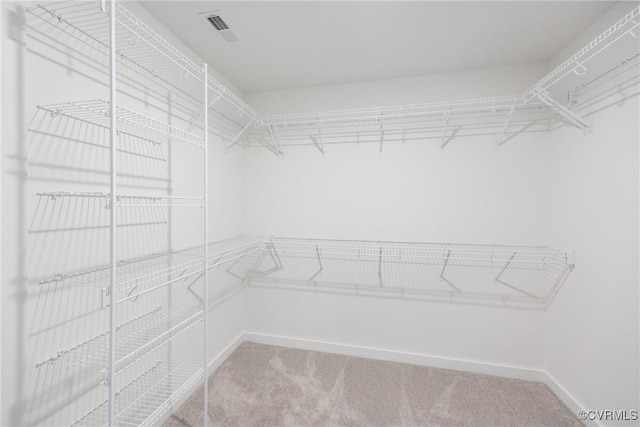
<point x="485" y="335"/>
<point x="420" y="89"/>
<point x="44" y="64"/>
<point x="593" y="326"/>
<point x="470" y="192"/>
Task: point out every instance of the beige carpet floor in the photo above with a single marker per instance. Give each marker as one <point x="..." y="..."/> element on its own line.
<point x="261" y="385"/>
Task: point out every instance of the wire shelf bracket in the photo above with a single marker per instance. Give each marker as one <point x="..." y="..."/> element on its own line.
<point x="569" y="115"/>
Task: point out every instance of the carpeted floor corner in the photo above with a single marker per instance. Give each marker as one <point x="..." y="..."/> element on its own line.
<point x="262" y="385"/>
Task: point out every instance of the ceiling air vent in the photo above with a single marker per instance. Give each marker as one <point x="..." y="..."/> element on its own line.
<point x="222" y="28"/>
<point x="217" y="22"/>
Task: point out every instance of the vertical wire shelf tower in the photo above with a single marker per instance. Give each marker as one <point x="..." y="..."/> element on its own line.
<point x="153" y="405"/>
<point x="137" y="347"/>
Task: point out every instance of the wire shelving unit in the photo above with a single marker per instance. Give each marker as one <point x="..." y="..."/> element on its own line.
<point x="131" y="200"/>
<point x="145" y="400"/>
<point x="148" y="300"/>
<point x="135" y="339"/>
<point x="504" y="117"/>
<point x="625" y="30"/>
<point x="142" y="52"/>
<point x="502" y="274"/>
<point x="96" y="112"/>
<point x="604" y="67"/>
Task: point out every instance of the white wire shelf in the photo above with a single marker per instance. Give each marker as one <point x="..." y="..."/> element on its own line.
<point x="131" y="200"/>
<point x="134" y="339"/>
<point x="129" y="123"/>
<point x="220" y="91"/>
<point x="221" y="253"/>
<point x="498" y="273"/>
<point x="628" y="27"/>
<point x="139" y="276"/>
<point x="606" y="67"/>
<point x="504" y="116"/>
<point x="135" y="40"/>
<point x="147" y="399"/>
<point x="140" y="47"/>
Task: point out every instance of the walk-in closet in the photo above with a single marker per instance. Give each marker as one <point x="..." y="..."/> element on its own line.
<point x="327" y="213"/>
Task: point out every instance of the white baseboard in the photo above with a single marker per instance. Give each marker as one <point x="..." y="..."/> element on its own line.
<point x="567" y="398"/>
<point x="226" y="352"/>
<point x="398" y="356"/>
<point x="507" y="371"/>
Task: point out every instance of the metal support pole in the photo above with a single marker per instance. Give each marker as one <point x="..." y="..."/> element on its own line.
<point x="206" y="246"/>
<point x="113" y="214"/>
<point x="197" y="119"/>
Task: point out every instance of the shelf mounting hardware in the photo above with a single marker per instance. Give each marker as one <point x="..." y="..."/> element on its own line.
<point x="498" y="280"/>
<point x="380" y="267"/>
<point x="632" y="32"/>
<point x="318" y="142"/>
<point x="574" y="119"/>
<point x="275" y="140"/>
<point x="320" y="263"/>
<point x="444" y="268"/>
<point x="447" y="139"/>
<point x="381" y="133"/>
<point x="201" y="115"/>
<point x="579" y="69"/>
<point x="237" y="139"/>
<point x="502" y="139"/>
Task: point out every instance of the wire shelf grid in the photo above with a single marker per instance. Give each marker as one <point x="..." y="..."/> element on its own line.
<point x="508" y="274"/>
<point x="140" y="45"/>
<point x="130" y="123"/>
<point x="401" y="111"/>
<point x="134" y="339"/>
<point x="145" y="400"/>
<point x="505" y="116"/>
<point x="131" y="200"/>
<point x="141" y="275"/>
<point x="628" y="27"/>
<point x="135" y="40"/>
<point x="221" y="91"/>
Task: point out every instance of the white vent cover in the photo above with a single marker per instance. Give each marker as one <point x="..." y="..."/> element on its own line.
<point x="216" y="21"/>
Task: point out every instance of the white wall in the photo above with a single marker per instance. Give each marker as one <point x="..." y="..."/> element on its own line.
<point x="592" y="333"/>
<point x="471" y="192"/>
<point x="592" y="328"/>
<point x="420" y="89"/>
<point x="564" y="189"/>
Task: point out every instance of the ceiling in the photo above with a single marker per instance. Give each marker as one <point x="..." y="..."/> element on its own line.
<point x="290" y="44"/>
